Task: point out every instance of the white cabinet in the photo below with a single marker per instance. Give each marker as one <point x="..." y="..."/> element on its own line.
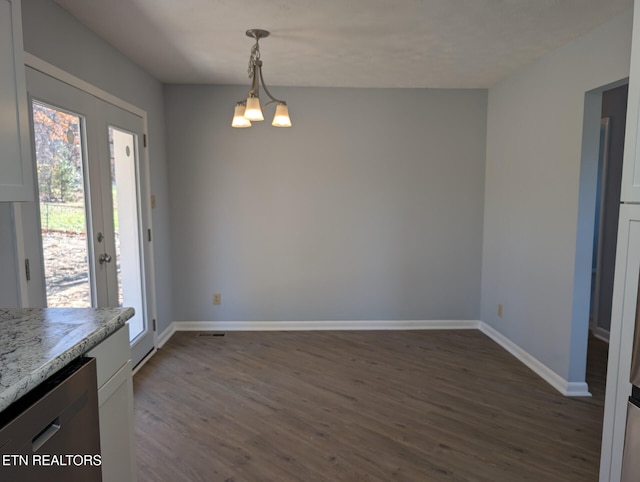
<point x="623" y="318"/>
<point x="115" y="399"/>
<point x="16" y="178"/>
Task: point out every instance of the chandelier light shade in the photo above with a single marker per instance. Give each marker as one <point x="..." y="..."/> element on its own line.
<point x="253" y="112"/>
<point x="249" y="110"/>
<point x="281" y="119"/>
<point x="239" y="120"/>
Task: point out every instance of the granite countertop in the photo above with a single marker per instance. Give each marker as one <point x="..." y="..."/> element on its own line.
<point x="37" y="342"/>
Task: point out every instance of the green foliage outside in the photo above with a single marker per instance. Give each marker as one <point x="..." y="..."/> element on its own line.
<point x="59" y="166"/>
<point x="67" y="217"/>
<point x="58" y="154"/>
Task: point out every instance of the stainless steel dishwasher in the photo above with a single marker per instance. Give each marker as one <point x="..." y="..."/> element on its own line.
<point x="52" y="433"/>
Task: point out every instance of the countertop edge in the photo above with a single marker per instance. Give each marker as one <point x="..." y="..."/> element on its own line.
<point x="30" y="381"/>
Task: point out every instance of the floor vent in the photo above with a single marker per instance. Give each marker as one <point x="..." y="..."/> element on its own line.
<point x="210" y="333"/>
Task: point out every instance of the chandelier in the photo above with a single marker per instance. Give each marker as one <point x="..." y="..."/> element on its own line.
<point x="249" y="110"/>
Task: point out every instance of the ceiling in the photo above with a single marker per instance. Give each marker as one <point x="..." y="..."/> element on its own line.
<point x="342" y="43"/>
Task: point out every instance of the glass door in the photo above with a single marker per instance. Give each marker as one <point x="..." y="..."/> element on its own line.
<point x="121" y="134"/>
<point x="91" y="235"/>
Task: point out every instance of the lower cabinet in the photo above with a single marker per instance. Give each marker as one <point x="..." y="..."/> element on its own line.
<point x="623" y="326"/>
<point x="115" y="400"/>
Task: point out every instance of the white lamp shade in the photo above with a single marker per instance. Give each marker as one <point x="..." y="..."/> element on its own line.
<point x="239" y="120"/>
<point x="281" y="119"/>
<point x="253" y="112"/>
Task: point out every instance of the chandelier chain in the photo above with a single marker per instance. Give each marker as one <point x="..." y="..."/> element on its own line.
<point x="253" y="58"/>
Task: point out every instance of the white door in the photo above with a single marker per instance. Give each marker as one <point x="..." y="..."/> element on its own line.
<point x="89" y="224"/>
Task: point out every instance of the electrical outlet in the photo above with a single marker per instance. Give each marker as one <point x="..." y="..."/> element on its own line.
<point x="217" y="298"/>
<point x="500" y="310"/>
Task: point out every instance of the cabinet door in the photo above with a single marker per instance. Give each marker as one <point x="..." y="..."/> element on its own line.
<point x="16" y="179"/>
<point x="117" y="443"/>
<point x="115" y="398"/>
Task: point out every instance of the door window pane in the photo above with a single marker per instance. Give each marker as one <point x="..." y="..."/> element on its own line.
<point x="62" y="206"/>
<point x="125" y="219"/>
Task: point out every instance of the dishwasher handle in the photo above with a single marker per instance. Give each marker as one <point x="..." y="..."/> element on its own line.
<point x="44" y="436"/>
<point x="62" y="419"/>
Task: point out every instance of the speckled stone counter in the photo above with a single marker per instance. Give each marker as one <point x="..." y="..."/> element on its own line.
<point x="36" y="343"/>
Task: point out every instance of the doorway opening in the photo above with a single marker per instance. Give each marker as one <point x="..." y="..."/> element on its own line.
<point x="607" y="208"/>
<point x="603" y="135"/>
<point x="609" y="178"/>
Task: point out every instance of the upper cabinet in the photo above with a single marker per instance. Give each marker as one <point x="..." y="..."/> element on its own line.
<point x="16" y="178"/>
<point x="631" y="164"/>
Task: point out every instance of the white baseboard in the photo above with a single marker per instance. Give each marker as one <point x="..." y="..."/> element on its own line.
<point x="325" y="325"/>
<point x="569" y="389"/>
<point x="600" y="334"/>
<point x="165" y="335"/>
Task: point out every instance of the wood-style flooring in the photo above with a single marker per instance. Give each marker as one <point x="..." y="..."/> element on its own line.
<point x="358" y="406"/>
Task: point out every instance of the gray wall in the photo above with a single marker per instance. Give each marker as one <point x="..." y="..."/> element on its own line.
<point x="368" y="208"/>
<point x="53" y="35"/>
<point x="536" y="250"/>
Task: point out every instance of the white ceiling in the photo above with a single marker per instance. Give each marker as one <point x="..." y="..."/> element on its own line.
<point x="342" y="43"/>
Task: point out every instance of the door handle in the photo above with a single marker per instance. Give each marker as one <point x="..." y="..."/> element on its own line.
<point x="44" y="436"/>
<point x="105" y="258"/>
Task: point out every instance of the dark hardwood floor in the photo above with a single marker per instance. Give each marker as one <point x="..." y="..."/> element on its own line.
<point x="356" y="406"/>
